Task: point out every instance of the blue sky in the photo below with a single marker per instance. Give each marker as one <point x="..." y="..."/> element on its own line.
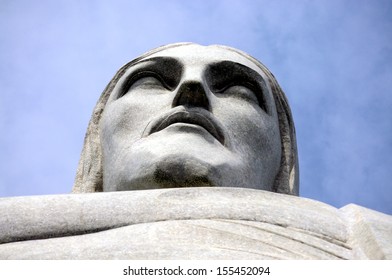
<point x="332" y="58"/>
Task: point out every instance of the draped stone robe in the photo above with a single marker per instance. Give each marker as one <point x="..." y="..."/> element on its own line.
<point x="189" y="223"/>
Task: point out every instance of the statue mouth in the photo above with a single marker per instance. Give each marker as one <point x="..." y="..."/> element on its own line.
<point x="196" y="116"/>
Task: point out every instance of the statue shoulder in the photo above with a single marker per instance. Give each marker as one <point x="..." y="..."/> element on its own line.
<point x="189" y="223"/>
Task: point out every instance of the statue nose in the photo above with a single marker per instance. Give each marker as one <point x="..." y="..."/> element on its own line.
<point x="192" y="94"/>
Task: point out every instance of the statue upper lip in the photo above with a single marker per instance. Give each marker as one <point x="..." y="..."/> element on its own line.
<point x="196" y="116"/>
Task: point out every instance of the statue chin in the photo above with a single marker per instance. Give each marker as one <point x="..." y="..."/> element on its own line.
<point x="173" y="163"/>
<point x="166" y="160"/>
<point x="183" y="172"/>
<point x="174" y="171"/>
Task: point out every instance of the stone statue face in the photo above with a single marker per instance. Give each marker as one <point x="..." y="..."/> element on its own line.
<point x="191" y="116"/>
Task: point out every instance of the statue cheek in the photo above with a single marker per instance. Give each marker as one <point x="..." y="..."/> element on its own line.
<point x="118" y="126"/>
<point x="246" y="123"/>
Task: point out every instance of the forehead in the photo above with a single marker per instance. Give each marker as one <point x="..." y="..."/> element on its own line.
<point x="197" y="54"/>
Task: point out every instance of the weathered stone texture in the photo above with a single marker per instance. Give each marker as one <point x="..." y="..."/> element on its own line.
<point x="190" y="223"/>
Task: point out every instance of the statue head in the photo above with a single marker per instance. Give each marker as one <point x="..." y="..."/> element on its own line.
<point x="185" y="115"/>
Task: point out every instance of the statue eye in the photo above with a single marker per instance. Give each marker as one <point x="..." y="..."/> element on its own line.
<point x="144" y="81"/>
<point x="240" y="91"/>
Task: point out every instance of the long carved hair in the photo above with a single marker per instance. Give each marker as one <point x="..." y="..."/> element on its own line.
<point x="89" y="175"/>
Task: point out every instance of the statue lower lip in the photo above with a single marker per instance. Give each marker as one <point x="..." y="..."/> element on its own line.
<point x="193" y="116"/>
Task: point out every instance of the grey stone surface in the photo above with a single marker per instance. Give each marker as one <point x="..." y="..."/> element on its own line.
<point x="370" y="231"/>
<point x="185" y="115"/>
<point x="191" y="116"/>
<point x="188" y="223"/>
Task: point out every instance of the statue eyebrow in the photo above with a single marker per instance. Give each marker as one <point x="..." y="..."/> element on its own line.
<point x="158" y="60"/>
<point x="168" y="68"/>
<point x="225" y="72"/>
<point x="160" y="64"/>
